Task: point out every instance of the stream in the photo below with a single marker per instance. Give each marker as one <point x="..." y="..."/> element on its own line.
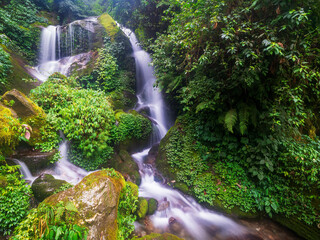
<point x="177" y="213"/>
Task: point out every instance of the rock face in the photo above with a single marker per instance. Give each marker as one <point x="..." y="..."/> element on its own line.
<point x="96" y="198"/>
<point x="45" y="185"/>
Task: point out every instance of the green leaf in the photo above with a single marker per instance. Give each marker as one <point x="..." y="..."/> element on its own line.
<point x="71" y="207"/>
<point x="230" y="119"/>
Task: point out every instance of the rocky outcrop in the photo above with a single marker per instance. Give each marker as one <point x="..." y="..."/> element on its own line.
<point x="45" y="185"/>
<point x="96" y="197"/>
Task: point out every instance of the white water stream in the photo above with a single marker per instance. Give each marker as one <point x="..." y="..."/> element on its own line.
<point x="195" y="221"/>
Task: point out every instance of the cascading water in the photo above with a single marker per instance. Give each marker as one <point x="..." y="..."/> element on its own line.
<point x="57" y="47"/>
<point x="195" y="221"/>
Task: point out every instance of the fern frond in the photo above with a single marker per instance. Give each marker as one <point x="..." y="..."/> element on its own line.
<point x="244" y="114"/>
<point x="230" y="119"/>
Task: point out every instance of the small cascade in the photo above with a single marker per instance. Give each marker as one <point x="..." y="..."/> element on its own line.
<point x="195" y="221"/>
<point x="24" y="170"/>
<point x="64" y="169"/>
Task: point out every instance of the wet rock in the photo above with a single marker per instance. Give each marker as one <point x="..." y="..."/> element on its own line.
<point x="175" y="226"/>
<point x="158" y="236"/>
<point x="165" y="204"/>
<point x="152" y="206"/>
<point x="152" y="155"/>
<point x="142" y="208"/>
<point x="35" y="160"/>
<point x="45" y="185"/>
<point x="96" y="197"/>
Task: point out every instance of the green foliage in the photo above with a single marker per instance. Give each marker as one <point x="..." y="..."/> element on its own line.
<point x="127" y="206"/>
<point x="5" y="65"/>
<point x="132" y="126"/>
<point x="255" y="173"/>
<point x="86" y="118"/>
<point x="51" y="222"/>
<point x="63" y="188"/>
<point x="14" y="197"/>
<point x="16" y="21"/>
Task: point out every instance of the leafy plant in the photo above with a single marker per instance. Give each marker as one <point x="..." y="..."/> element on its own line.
<point x="14" y="197"/>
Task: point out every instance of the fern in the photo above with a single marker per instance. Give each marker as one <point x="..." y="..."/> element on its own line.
<point x="230" y="119"/>
<point x="244" y="115"/>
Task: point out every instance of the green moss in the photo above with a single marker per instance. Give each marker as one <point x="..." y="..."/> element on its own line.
<point x="152" y="206"/>
<point x="109" y="24"/>
<point x="9" y="131"/>
<point x="142" y="208"/>
<point x="51" y="16"/>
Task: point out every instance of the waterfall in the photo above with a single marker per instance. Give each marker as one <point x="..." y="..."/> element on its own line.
<point x="59" y="48"/>
<point x="48" y="44"/>
<point x="198" y="222"/>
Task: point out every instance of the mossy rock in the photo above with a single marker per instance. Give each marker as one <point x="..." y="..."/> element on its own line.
<point x="310" y="232"/>
<point x="9" y="136"/>
<point x="142" y="207"/>
<point x="152" y="206"/>
<point x="96" y="198"/>
<point x="45" y="186"/>
<point x="182" y="187"/>
<point x="29" y="112"/>
<point x="158" y="236"/>
<point x="124" y="163"/>
<point x="109" y="24"/>
<point x="124" y="100"/>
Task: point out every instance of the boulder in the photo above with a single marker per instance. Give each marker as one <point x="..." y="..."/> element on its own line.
<point x="22" y="106"/>
<point x="142" y="208"/>
<point x="124" y="163"/>
<point x="158" y="236"/>
<point x="96" y="197"/>
<point x="45" y="185"/>
<point x="152" y="206"/>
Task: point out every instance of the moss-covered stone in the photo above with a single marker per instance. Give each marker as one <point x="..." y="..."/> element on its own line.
<point x="158" y="236"/>
<point x="96" y="197"/>
<point x="9" y="127"/>
<point x="29" y="112"/>
<point x="124" y="163"/>
<point x="124" y="100"/>
<point x="109" y="24"/>
<point x="142" y="208"/>
<point x="45" y="185"/>
<point x="152" y="206"/>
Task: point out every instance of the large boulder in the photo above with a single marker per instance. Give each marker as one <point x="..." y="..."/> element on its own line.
<point x="21" y="105"/>
<point x="96" y="197"/>
<point x="45" y="185"/>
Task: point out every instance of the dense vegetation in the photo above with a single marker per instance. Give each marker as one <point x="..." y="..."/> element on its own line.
<point x="243" y="77"/>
